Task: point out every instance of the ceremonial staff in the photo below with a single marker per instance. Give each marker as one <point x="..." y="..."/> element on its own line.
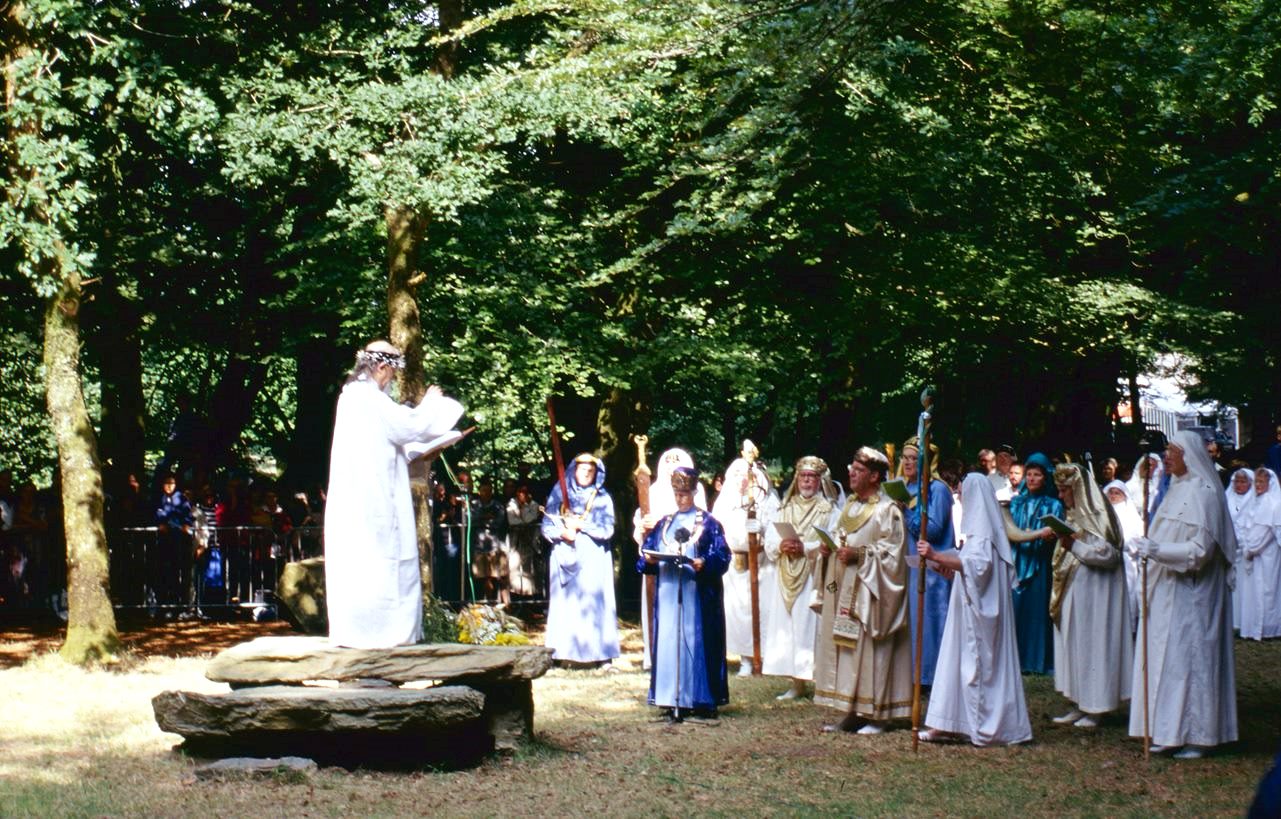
<point x="641" y="477"/>
<point x="750" y="455"/>
<point x="560" y="462"/>
<point x="922" y="503"/>
<point x="1147" y="480"/>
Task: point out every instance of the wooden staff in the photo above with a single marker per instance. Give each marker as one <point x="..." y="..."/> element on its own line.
<point x="1147" y="734"/>
<point x="560" y="462"/>
<point x="753" y="557"/>
<point x="641" y="477"/>
<point x="922" y="503"/>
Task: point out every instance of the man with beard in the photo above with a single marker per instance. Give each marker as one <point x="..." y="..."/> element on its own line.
<point x="787" y="578"/>
<point x="372" y="580"/>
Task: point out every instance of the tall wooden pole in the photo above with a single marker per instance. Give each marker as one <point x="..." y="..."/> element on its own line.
<point x="922" y="503"/>
<point x="641" y="477"/>
<point x="1147" y="732"/>
<point x="753" y="563"/>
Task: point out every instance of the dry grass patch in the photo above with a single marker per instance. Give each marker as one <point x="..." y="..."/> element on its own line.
<point x="84" y="743"/>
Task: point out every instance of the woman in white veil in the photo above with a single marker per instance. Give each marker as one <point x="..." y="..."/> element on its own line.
<point x="1240" y="497"/>
<point x="1259" y="569"/>
<point x="1127" y="514"/>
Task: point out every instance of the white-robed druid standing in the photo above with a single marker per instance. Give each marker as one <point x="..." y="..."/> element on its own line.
<point x="373" y="585"/>
<point x="1089" y="606"/>
<point x="1190" y="548"/>
<point x="978" y="687"/>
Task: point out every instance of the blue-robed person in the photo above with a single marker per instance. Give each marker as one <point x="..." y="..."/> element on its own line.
<point x="939" y="533"/>
<point x="582" y="618"/>
<point x="1033" y="544"/>
<point x="688" y="675"/>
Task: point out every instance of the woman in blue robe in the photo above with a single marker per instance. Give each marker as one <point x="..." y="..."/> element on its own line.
<point x="1033" y="545"/>
<point x="938" y="589"/>
<point x="582" y="617"/>
<point x="687" y="668"/>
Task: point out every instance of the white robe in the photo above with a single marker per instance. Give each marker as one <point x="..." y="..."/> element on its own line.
<point x="1093" y="646"/>
<point x="373" y="586"/>
<point x="978" y="686"/>
<point x="1191" y="678"/>
<point x="1259" y="582"/>
<point x="1259" y="567"/>
<point x="787" y="637"/>
<point x="738" y="587"/>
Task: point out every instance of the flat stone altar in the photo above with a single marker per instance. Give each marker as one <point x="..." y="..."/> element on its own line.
<point x="479" y="699"/>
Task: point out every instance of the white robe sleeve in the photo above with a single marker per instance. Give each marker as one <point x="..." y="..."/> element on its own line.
<point x="1189" y="550"/>
<point x="432" y="417"/>
<point x="1093" y="550"/>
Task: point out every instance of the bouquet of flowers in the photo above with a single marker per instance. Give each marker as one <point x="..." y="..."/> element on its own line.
<point x="483" y="625"/>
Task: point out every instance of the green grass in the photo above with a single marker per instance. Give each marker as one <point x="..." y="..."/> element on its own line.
<point x="84" y="743"/>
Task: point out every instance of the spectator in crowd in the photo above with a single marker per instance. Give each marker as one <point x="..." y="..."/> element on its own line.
<point x="524" y="565"/>
<point x="986" y="463"/>
<point x="169" y="563"/>
<point x="1016" y="477"/>
<point x="489" y="539"/>
<point x="1215" y="451"/>
<point x="1000" y="478"/>
<point x="210" y="570"/>
<point x="1107" y="471"/>
<point x="445" y="542"/>
<point x="1273" y="459"/>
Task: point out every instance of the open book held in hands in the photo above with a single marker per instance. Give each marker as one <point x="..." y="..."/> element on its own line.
<point x="1057" y="524"/>
<point x="827" y="537"/>
<point x="670" y="557"/>
<point x="896" y="490"/>
<point x="786" y="531"/>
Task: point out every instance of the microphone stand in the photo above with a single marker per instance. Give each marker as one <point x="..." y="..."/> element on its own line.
<point x="682" y="537"/>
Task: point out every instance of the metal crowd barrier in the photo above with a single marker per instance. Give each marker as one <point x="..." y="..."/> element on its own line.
<point x="206" y="568"/>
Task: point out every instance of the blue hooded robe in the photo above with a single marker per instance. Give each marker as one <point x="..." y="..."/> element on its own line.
<point x="582" y="617"/>
<point x="687" y="644"/>
<point x="938" y="589"/>
<point x="1032" y="624"/>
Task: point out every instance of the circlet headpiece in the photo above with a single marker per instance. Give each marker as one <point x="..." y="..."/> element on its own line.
<point x="811" y="463"/>
<point x="374" y="357"/>
<point x="684" y="479"/>
<point x="868" y="456"/>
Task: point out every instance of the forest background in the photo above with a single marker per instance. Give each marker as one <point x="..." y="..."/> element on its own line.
<point x="696" y="220"/>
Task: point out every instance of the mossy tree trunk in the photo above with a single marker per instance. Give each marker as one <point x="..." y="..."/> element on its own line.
<point x="91" y="627"/>
<point x="405" y="229"/>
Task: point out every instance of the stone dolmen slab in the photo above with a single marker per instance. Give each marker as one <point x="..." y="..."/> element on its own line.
<point x="483" y="700"/>
<point x="295" y="659"/>
<point x="363" y="725"/>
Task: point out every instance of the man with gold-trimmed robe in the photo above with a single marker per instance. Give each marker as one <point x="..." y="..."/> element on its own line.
<point x="788" y="623"/>
<point x="863" y="656"/>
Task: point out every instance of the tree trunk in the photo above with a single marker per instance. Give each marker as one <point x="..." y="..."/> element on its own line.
<point x="405" y="229"/>
<point x="91" y="627"/>
<point x="619" y="417"/>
